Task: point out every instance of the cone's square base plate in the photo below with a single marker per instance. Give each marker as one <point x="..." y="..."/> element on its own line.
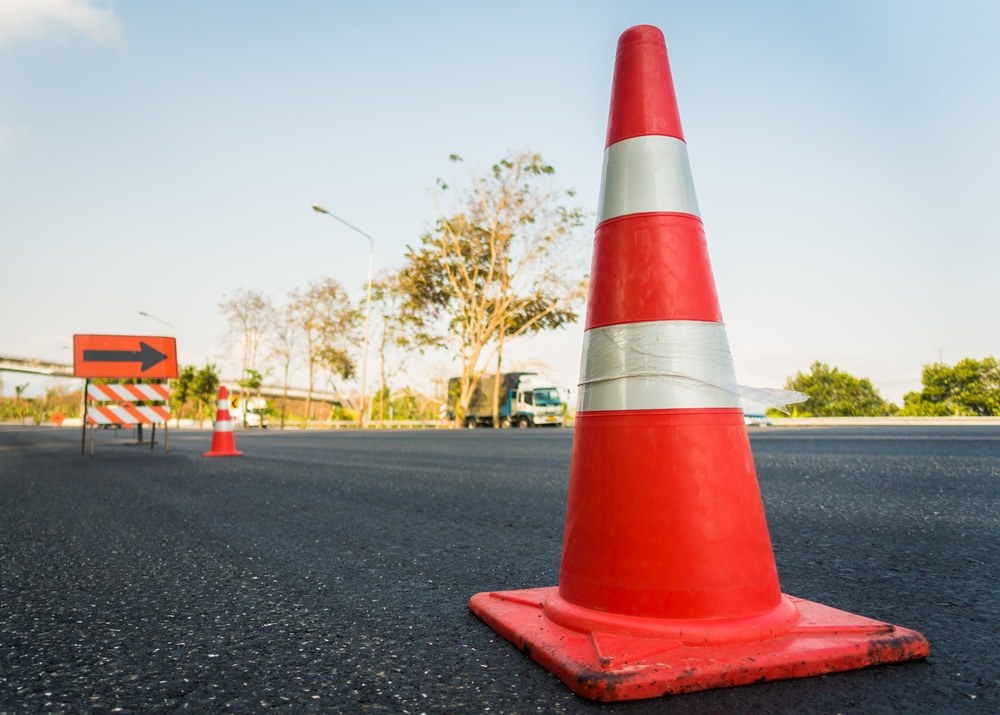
<point x="604" y="666"/>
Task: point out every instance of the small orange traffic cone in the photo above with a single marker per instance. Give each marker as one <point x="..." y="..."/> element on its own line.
<point x="223" y="444"/>
<point x="668" y="582"/>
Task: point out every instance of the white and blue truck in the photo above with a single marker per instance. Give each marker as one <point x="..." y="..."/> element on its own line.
<point x="526" y="400"/>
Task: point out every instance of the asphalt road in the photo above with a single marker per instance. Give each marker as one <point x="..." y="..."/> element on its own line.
<point x="330" y="571"/>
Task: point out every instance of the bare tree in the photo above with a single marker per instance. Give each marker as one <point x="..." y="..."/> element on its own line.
<point x="504" y="262"/>
<point x="286" y="334"/>
<point x="251" y="316"/>
<point x="326" y="319"/>
<point x="393" y="333"/>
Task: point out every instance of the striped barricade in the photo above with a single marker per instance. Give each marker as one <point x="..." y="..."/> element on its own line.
<point x="125" y="411"/>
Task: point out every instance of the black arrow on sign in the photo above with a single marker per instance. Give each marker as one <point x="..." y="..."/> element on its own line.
<point x="147" y="355"/>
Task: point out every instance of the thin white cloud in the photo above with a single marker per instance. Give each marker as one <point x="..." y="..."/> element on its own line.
<point x="29" y="19"/>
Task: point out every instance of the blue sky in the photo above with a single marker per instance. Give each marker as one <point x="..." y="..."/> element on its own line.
<point x="155" y="156"/>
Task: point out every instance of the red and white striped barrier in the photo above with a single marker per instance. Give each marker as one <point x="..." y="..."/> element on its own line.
<point x="107" y="393"/>
<point x="125" y="413"/>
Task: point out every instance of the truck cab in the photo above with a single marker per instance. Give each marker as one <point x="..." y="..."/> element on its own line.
<point x="533" y="406"/>
<point x="526" y="400"/>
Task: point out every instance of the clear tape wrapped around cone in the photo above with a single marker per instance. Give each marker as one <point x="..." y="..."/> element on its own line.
<point x="682" y="363"/>
<point x="667" y="582"/>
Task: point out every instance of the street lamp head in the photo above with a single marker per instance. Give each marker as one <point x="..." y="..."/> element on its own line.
<point x="371" y="262"/>
<point x="158" y="320"/>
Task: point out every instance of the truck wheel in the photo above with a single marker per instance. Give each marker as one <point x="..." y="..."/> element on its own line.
<point x="504" y="423"/>
<point x="524" y="423"/>
<point x="470" y="423"/>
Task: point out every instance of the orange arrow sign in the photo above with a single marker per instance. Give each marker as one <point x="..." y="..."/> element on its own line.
<point x="124" y="356"/>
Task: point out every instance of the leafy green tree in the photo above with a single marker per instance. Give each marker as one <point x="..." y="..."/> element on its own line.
<point x="181" y="389"/>
<point x="253" y="380"/>
<point x="833" y="393"/>
<point x="59" y="400"/>
<point x="408" y="404"/>
<point x="971" y="387"/>
<point x="20" y="407"/>
<point x="205" y="390"/>
<point x="504" y="261"/>
<point x="914" y="405"/>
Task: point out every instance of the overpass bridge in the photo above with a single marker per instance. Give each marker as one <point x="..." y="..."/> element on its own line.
<point x="31" y="366"/>
<point x="35" y="367"/>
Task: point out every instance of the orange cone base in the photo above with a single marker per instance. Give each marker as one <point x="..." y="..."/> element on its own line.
<point x="223" y="446"/>
<point x="234" y="453"/>
<point x="610" y="663"/>
<point x="231" y="453"/>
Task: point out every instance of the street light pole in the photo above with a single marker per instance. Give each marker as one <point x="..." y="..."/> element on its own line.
<point x="158" y="320"/>
<point x="368" y="311"/>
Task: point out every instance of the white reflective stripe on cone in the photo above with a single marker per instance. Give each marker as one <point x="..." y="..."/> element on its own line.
<point x="646" y="174"/>
<point x="222" y="405"/>
<point x="666" y="364"/>
<point x="224" y="426"/>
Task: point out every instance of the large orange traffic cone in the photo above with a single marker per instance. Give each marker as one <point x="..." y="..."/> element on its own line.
<point x="223" y="444"/>
<point x="668" y="581"/>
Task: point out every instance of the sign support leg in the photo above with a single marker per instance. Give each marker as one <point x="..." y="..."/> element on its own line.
<point x="83" y="417"/>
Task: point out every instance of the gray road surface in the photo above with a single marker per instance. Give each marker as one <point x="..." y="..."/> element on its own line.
<point x="330" y="571"/>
